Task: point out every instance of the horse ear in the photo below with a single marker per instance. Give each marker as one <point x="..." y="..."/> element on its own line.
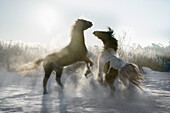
<point x="77" y="20"/>
<point x="110" y="30"/>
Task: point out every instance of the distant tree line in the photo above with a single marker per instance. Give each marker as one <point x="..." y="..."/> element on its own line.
<point x="15" y="53"/>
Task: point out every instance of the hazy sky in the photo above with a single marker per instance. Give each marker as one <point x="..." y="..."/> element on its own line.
<point x="50" y="21"/>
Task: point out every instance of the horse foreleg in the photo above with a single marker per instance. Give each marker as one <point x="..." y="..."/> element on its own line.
<point x="100" y="76"/>
<point x="87" y="71"/>
<point x="58" y="76"/>
<point x="87" y="61"/>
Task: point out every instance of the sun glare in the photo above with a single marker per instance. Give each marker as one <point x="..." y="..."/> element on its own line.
<point x="47" y="18"/>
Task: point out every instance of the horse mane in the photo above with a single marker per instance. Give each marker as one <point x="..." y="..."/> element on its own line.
<point x="75" y="24"/>
<point x="74" y="27"/>
<point x="112" y="41"/>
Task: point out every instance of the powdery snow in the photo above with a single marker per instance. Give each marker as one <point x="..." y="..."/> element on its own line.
<point x="25" y="94"/>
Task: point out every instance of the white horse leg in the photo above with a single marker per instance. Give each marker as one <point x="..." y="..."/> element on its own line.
<point x="87" y="71"/>
<point x="100" y="76"/>
<point x="87" y="61"/>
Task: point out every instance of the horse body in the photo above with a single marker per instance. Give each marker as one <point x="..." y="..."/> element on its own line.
<point x="111" y="67"/>
<point x="110" y="55"/>
<point x="74" y="52"/>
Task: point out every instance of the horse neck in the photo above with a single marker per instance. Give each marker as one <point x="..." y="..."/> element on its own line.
<point x="77" y="38"/>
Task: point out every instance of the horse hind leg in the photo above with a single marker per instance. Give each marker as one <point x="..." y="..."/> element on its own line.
<point x="112" y="89"/>
<point x="110" y="78"/>
<point x="46" y="77"/>
<point x="58" y="76"/>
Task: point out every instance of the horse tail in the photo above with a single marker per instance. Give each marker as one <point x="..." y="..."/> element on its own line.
<point x="30" y="66"/>
<point x="129" y="73"/>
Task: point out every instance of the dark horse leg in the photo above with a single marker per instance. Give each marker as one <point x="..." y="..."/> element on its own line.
<point x="110" y="78"/>
<point x="58" y="76"/>
<point x="111" y="75"/>
<point x="46" y="77"/>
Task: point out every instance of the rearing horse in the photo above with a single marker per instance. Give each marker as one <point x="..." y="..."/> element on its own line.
<point x="111" y="67"/>
<point x="75" y="51"/>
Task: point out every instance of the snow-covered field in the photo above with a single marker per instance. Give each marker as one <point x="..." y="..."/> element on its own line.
<point x="24" y="94"/>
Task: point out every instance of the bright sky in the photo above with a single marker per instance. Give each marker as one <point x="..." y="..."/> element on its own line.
<point x="50" y="21"/>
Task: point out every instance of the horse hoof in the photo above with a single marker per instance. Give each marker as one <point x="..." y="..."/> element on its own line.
<point x="91" y="64"/>
<point x="61" y="85"/>
<point x="45" y="92"/>
<point x="111" y="95"/>
<point x="87" y="72"/>
<point x="86" y="75"/>
<point x="103" y="84"/>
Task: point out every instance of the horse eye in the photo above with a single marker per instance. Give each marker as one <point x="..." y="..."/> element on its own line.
<point x="90" y="23"/>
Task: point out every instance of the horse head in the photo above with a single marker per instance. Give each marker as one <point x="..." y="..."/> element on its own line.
<point x="82" y="24"/>
<point x="107" y="38"/>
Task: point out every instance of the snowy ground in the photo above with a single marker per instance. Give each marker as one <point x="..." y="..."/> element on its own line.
<point x="24" y="94"/>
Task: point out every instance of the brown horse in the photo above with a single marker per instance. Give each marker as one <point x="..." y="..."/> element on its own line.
<point x="75" y="51"/>
<point x="111" y="66"/>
